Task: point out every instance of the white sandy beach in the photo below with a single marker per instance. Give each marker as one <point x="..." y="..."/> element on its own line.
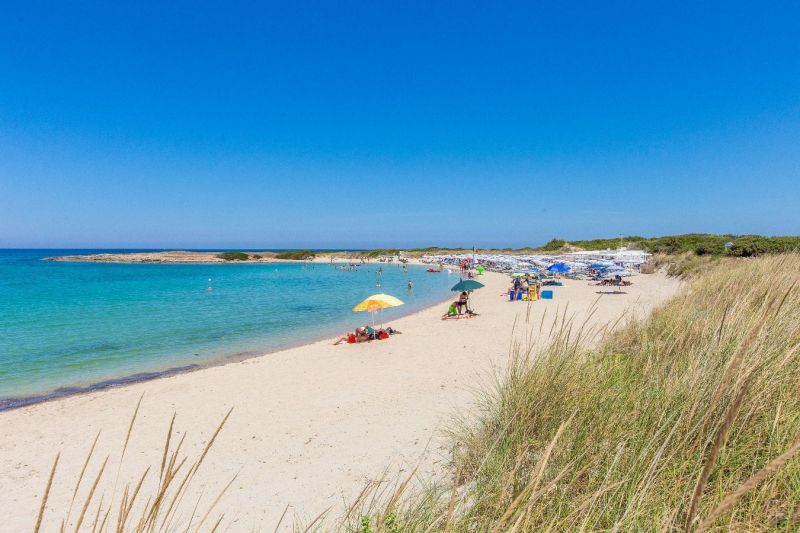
<point x="310" y="425"/>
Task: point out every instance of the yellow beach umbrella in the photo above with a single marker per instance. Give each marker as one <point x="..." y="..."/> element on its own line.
<point x="376" y="302"/>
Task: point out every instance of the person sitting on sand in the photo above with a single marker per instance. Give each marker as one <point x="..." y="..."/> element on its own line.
<point x="457" y="316"/>
<point x="451" y="311"/>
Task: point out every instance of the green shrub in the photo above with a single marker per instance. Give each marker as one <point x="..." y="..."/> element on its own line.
<point x="554" y="245"/>
<point x="752" y="245"/>
<point x="233" y="256"/>
<point x="295" y="255"/>
<point x="696" y="243"/>
<point x="382" y="251"/>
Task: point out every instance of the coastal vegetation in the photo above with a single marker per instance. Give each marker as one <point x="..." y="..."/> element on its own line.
<point x="688" y="420"/>
<point x="295" y="255"/>
<point x="234" y="256"/>
<point x="696" y="243"/>
<point x="700" y="244"/>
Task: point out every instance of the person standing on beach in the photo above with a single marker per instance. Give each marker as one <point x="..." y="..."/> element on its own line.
<point x="464" y="301"/>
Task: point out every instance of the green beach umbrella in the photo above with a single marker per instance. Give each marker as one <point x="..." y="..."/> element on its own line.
<point x="466" y="285"/>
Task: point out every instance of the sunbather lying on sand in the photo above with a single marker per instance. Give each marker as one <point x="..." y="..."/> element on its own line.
<point x="367" y="334"/>
<point x="613" y="283"/>
<point x="360" y="335"/>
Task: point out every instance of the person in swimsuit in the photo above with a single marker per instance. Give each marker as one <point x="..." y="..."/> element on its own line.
<point x="360" y="335"/>
<point x="464" y="301"/>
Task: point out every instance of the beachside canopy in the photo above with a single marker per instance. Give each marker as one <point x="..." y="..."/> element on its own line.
<point x="466" y="285"/>
<point x="558" y="267"/>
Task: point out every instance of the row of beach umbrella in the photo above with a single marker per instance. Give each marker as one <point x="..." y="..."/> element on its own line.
<point x="525" y="263"/>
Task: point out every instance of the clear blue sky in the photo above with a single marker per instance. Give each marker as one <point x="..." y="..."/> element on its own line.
<point x="341" y="124"/>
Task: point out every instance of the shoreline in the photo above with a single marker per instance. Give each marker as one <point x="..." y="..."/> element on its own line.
<point x="10" y="403"/>
<point x="311" y="426"/>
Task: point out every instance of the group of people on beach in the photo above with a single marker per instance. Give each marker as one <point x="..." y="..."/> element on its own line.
<point x="525" y="287"/>
<point x="616" y="281"/>
<point x="366" y="334"/>
<point x="459" y="308"/>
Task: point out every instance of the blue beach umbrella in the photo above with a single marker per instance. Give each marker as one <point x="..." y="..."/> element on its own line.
<point x="558" y="267"/>
<point x="598" y="266"/>
<point x="616" y="268"/>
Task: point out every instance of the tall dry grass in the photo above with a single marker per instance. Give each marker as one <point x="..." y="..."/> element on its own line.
<point x="688" y="420"/>
<point x="127" y="508"/>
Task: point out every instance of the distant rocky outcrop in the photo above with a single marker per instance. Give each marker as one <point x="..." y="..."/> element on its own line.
<point x="171" y="257"/>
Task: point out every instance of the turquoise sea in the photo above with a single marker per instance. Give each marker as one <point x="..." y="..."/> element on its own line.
<point x="67" y="327"/>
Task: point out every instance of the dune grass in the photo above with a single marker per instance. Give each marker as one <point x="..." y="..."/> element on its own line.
<point x="129" y="509"/>
<point x="688" y="420"/>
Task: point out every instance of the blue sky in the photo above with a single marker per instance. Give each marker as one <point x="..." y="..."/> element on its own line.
<point x="344" y="124"/>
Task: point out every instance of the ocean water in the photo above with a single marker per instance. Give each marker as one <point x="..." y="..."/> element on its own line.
<point x="66" y="327"/>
